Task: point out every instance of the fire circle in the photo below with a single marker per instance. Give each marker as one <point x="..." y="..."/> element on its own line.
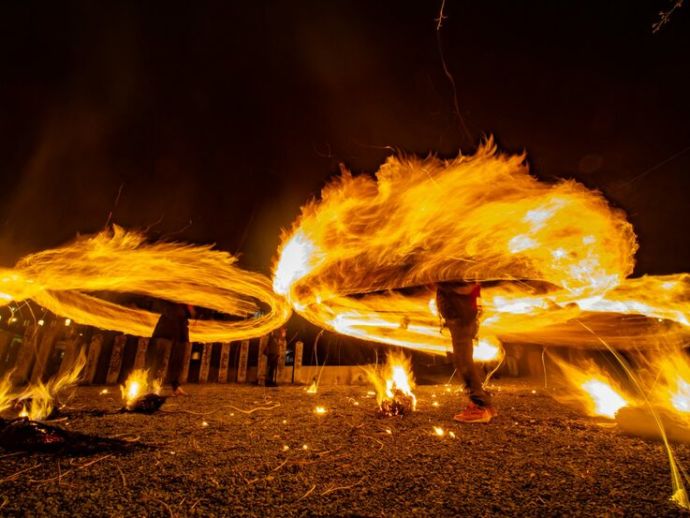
<point x="66" y="281"/>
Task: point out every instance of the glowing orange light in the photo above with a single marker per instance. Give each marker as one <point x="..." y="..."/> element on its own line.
<point x="480" y="217"/>
<point x="123" y="262"/>
<point x="394" y="384"/>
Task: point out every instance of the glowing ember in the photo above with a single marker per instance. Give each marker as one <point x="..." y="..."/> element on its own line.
<point x="123" y="262"/>
<point x="313" y="388"/>
<point x="394" y="384"/>
<point x="319" y="410"/>
<point x="41" y="401"/>
<point x="137" y="386"/>
<point x="439" y="431"/>
<point x="481" y="217"/>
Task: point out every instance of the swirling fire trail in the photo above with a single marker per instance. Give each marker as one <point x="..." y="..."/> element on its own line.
<point x="362" y="260"/>
<point x="65" y="280"/>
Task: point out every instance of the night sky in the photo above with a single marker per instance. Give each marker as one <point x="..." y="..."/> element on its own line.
<point x="219" y="120"/>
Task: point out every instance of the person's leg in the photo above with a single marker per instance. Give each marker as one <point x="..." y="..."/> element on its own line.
<point x="463" y="336"/>
<point x="274" y="369"/>
<point x="269" y="371"/>
<point x="175" y="365"/>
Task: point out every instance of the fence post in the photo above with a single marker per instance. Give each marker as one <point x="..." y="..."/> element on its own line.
<point x="262" y="364"/>
<point x="5" y="340"/>
<point x="297" y="367"/>
<point x="73" y="347"/>
<point x="45" y="346"/>
<point x="92" y="356"/>
<point x="224" y="362"/>
<point x="242" y="363"/>
<point x="26" y="355"/>
<point x="140" y="358"/>
<point x="116" y="360"/>
<point x="205" y="363"/>
<point x="185" y="362"/>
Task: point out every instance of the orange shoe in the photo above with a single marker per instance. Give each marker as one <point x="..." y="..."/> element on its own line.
<point x="476" y="414"/>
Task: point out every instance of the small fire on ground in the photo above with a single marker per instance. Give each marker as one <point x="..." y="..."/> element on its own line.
<point x="41" y="401"/>
<point x="394" y="384"/>
<point x="593" y="389"/>
<point x="140" y="393"/>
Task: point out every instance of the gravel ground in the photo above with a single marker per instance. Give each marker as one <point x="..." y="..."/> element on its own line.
<point x="239" y="450"/>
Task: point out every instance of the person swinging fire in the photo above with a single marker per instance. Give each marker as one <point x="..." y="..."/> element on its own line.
<point x="457" y="304"/>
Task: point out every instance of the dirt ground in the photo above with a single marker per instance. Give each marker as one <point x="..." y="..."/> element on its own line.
<point x="229" y="450"/>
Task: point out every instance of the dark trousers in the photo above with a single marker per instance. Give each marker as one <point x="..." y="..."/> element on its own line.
<point x="157" y="358"/>
<point x="463" y="334"/>
<point x="176" y="365"/>
<point x="272" y="368"/>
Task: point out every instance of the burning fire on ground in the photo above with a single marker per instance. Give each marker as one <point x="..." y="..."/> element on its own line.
<point x="41" y="401"/>
<point x="140" y="393"/>
<point x="394" y="384"/>
<point x="593" y="389"/>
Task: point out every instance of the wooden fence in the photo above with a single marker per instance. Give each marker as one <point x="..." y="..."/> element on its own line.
<point x="45" y="350"/>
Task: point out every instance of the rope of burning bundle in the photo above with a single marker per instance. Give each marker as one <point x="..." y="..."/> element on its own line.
<point x="64" y="279"/>
<point x="358" y="260"/>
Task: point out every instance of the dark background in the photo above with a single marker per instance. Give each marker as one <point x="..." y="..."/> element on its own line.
<point x="219" y="120"/>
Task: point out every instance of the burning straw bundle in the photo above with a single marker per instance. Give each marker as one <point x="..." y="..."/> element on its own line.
<point x="140" y="394"/>
<point x="394" y="383"/>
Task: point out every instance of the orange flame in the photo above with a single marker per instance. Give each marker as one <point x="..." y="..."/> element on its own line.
<point x="594" y="389"/>
<point x="392" y="380"/>
<point x="39" y="400"/>
<point x="481" y="217"/>
<point x="123" y="262"/>
<point x="137" y="385"/>
<point x="671" y="384"/>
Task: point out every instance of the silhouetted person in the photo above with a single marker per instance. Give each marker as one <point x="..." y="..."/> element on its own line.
<point x="173" y="325"/>
<point x="272" y="353"/>
<point x="457" y="304"/>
